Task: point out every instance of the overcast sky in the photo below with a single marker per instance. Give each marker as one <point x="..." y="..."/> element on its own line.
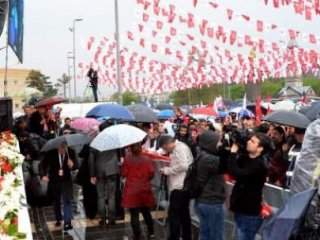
<point x="47" y="38"/>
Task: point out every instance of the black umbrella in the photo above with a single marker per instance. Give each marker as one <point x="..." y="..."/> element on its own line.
<point x="252" y="108"/>
<point x="289" y="118"/>
<point x="312" y="112"/>
<point x="142" y="113"/>
<point x="164" y="107"/>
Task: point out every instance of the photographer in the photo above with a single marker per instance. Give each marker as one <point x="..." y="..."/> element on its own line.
<point x="249" y="169"/>
<point x="93" y="75"/>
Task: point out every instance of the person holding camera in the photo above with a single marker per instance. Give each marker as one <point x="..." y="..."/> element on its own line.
<point x="93" y="76"/>
<point x="249" y="169"/>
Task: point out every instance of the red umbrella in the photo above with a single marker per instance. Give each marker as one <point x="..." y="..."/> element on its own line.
<point x="208" y="111"/>
<point x="50" y="101"/>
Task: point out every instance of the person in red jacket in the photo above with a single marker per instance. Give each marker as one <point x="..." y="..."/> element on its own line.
<point x="138" y="170"/>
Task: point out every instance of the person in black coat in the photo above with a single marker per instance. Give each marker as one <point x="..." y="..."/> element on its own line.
<point x="38" y="121"/>
<point x="55" y="168"/>
<point x="90" y="195"/>
<point x="249" y="170"/>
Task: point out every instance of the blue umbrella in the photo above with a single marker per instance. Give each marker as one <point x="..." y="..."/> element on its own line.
<point x="223" y="114"/>
<point x="287" y="222"/>
<point x="165" y="114"/>
<point x="110" y="111"/>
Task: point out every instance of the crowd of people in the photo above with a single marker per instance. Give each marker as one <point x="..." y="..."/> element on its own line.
<point x="249" y="155"/>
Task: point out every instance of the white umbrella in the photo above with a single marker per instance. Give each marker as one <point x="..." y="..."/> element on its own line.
<point x="28" y="92"/>
<point x="117" y="136"/>
<point x="284" y="105"/>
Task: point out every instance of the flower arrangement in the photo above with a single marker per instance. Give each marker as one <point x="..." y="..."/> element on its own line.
<point x="10" y="187"/>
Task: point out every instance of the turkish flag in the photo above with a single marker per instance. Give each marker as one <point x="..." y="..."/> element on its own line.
<point x="229" y="13"/>
<point x="259" y="26"/>
<point x="140" y="27"/>
<point x="173" y="31"/>
<point x="258" y="111"/>
<point x="167" y="39"/>
<point x="145" y="17"/>
<point x="171" y="17"/>
<point x="298" y="8"/>
<point x="308" y="13"/>
<point x="261" y="46"/>
<point x="276" y="3"/>
<point x="292" y="34"/>
<point x="210" y="32"/>
<point x="214" y="5"/>
<point x="191" y="38"/>
<point x="233" y="37"/>
<point x="142" y="42"/>
<point x="156" y="10"/>
<point x="312" y="39"/>
<point x="130" y="35"/>
<point x="195" y="2"/>
<point x="159" y="25"/>
<point x="245" y="17"/>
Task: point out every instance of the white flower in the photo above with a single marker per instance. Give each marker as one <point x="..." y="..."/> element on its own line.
<point x="4" y="237"/>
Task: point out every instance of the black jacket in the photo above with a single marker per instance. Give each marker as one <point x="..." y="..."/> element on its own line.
<point x="50" y="165"/>
<point x="214" y="186"/>
<point x="213" y="191"/>
<point x="250" y="175"/>
<point x="35" y="123"/>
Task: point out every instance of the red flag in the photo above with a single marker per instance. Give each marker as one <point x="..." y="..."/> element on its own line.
<point x="214" y="5"/>
<point x="229" y="13"/>
<point x="258" y="111"/>
<point x="190" y="37"/>
<point x="156" y="10"/>
<point x="312" y="39"/>
<point x="292" y="34"/>
<point x="156" y="2"/>
<point x="298" y="8"/>
<point x="304" y="98"/>
<point x="210" y="32"/>
<point x="171" y="17"/>
<point x="140" y="27"/>
<point x="142" y="42"/>
<point x="245" y="17"/>
<point x="191" y="23"/>
<point x="308" y="13"/>
<point x="145" y="17"/>
<point x="273" y="26"/>
<point x="261" y="46"/>
<point x="259" y="26"/>
<point x="266" y="2"/>
<point x="276" y="3"/>
<point x="247" y="40"/>
<point x="233" y="37"/>
<point x="167" y="51"/>
<point x="173" y="31"/>
<point x="146" y="5"/>
<point x="195" y="2"/>
<point x="317" y="6"/>
<point x="159" y="25"/>
<point x="130" y="36"/>
<point x="167" y="39"/>
<point x="154" y="33"/>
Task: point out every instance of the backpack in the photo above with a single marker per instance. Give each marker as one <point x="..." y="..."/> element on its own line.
<point x="192" y="183"/>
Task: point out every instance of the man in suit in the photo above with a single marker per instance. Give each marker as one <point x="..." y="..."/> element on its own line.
<point x="55" y="169"/>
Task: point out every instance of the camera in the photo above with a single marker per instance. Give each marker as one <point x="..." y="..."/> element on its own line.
<point x="233" y="135"/>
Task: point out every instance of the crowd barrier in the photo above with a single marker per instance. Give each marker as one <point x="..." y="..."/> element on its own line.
<point x="274" y="196"/>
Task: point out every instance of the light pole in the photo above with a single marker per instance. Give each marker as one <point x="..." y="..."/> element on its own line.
<point x="118" y="51"/>
<point x="73" y="30"/>
<point x="70" y="56"/>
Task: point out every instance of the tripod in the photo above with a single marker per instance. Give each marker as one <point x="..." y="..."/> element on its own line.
<point x="88" y="92"/>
